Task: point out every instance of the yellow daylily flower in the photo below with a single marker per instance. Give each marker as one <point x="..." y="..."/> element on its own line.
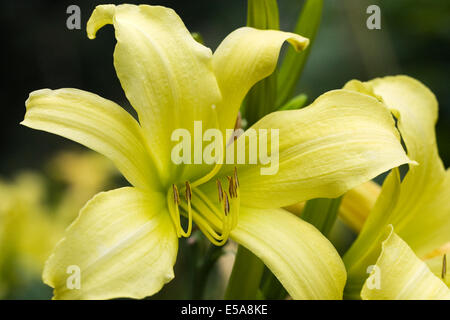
<point x="84" y="174"/>
<point x="417" y="207"/>
<point x="401" y="275"/>
<point x="23" y="220"/>
<point x="125" y="241"/>
<point x="27" y="235"/>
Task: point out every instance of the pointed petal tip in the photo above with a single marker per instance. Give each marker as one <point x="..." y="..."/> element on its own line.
<point x="101" y="16"/>
<point x="298" y="42"/>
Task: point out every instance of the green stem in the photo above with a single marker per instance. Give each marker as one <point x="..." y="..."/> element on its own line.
<point x="203" y="269"/>
<point x="245" y="276"/>
<point x="294" y="62"/>
<point x="271" y="288"/>
<point x="322" y="213"/>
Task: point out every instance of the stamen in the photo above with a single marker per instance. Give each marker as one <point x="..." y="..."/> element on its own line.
<point x="236" y="203"/>
<point x="220" y="190"/>
<point x="235" y="206"/>
<point x="216" y="224"/>
<point x="188" y="194"/>
<point x="205" y="226"/>
<point x="175" y="211"/>
<point x="226" y="204"/>
<point x="231" y="188"/>
<point x="210" y="237"/>
<point x="176" y="195"/>
<point x="444" y="266"/>
<point x="238" y="123"/>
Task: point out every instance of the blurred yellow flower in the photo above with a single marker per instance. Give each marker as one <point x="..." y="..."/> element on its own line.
<point x="30" y="225"/>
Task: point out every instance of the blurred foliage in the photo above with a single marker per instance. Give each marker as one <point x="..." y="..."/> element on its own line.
<point x="40" y="52"/>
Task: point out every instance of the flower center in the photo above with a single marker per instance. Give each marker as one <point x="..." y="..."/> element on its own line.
<point x="215" y="220"/>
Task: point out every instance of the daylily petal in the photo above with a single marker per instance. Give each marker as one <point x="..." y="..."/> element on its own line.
<point x="98" y="124"/>
<point x="418" y="208"/>
<point x="435" y="261"/>
<point x="166" y="75"/>
<point x="340" y="141"/>
<point x="401" y="275"/>
<point x="123" y="243"/>
<point x="356" y="260"/>
<point x="244" y="57"/>
<point x="422" y="223"/>
<point x="304" y="261"/>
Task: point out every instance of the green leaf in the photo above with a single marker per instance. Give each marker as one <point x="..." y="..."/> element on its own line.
<point x="263" y="14"/>
<point x="297" y="102"/>
<point x="271" y="288"/>
<point x="293" y="63"/>
<point x="245" y="277"/>
<point x="322" y="213"/>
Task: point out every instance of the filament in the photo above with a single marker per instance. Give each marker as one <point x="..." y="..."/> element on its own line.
<point x="215" y="221"/>
<point x="173" y="205"/>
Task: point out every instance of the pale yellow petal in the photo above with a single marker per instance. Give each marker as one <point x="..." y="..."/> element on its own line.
<point x="338" y="142"/>
<point x="98" y="124"/>
<point x="400" y="275"/>
<point x="423" y="223"/>
<point x="304" y="261"/>
<point x="357" y="260"/>
<point x="418" y="208"/>
<point x="439" y="262"/>
<point x="166" y="75"/>
<point x="123" y="244"/>
<point x="244" y="57"/>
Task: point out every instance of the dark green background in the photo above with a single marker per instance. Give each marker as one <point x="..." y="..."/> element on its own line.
<point x="38" y="51"/>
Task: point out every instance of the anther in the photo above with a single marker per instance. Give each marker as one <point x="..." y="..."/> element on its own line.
<point x="220" y="190"/>
<point x="188" y="194"/>
<point x="236" y="180"/>
<point x="444" y="267"/>
<point x="226" y="204"/>
<point x="231" y="188"/>
<point x="176" y="195"/>
<point x="238" y="123"/>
